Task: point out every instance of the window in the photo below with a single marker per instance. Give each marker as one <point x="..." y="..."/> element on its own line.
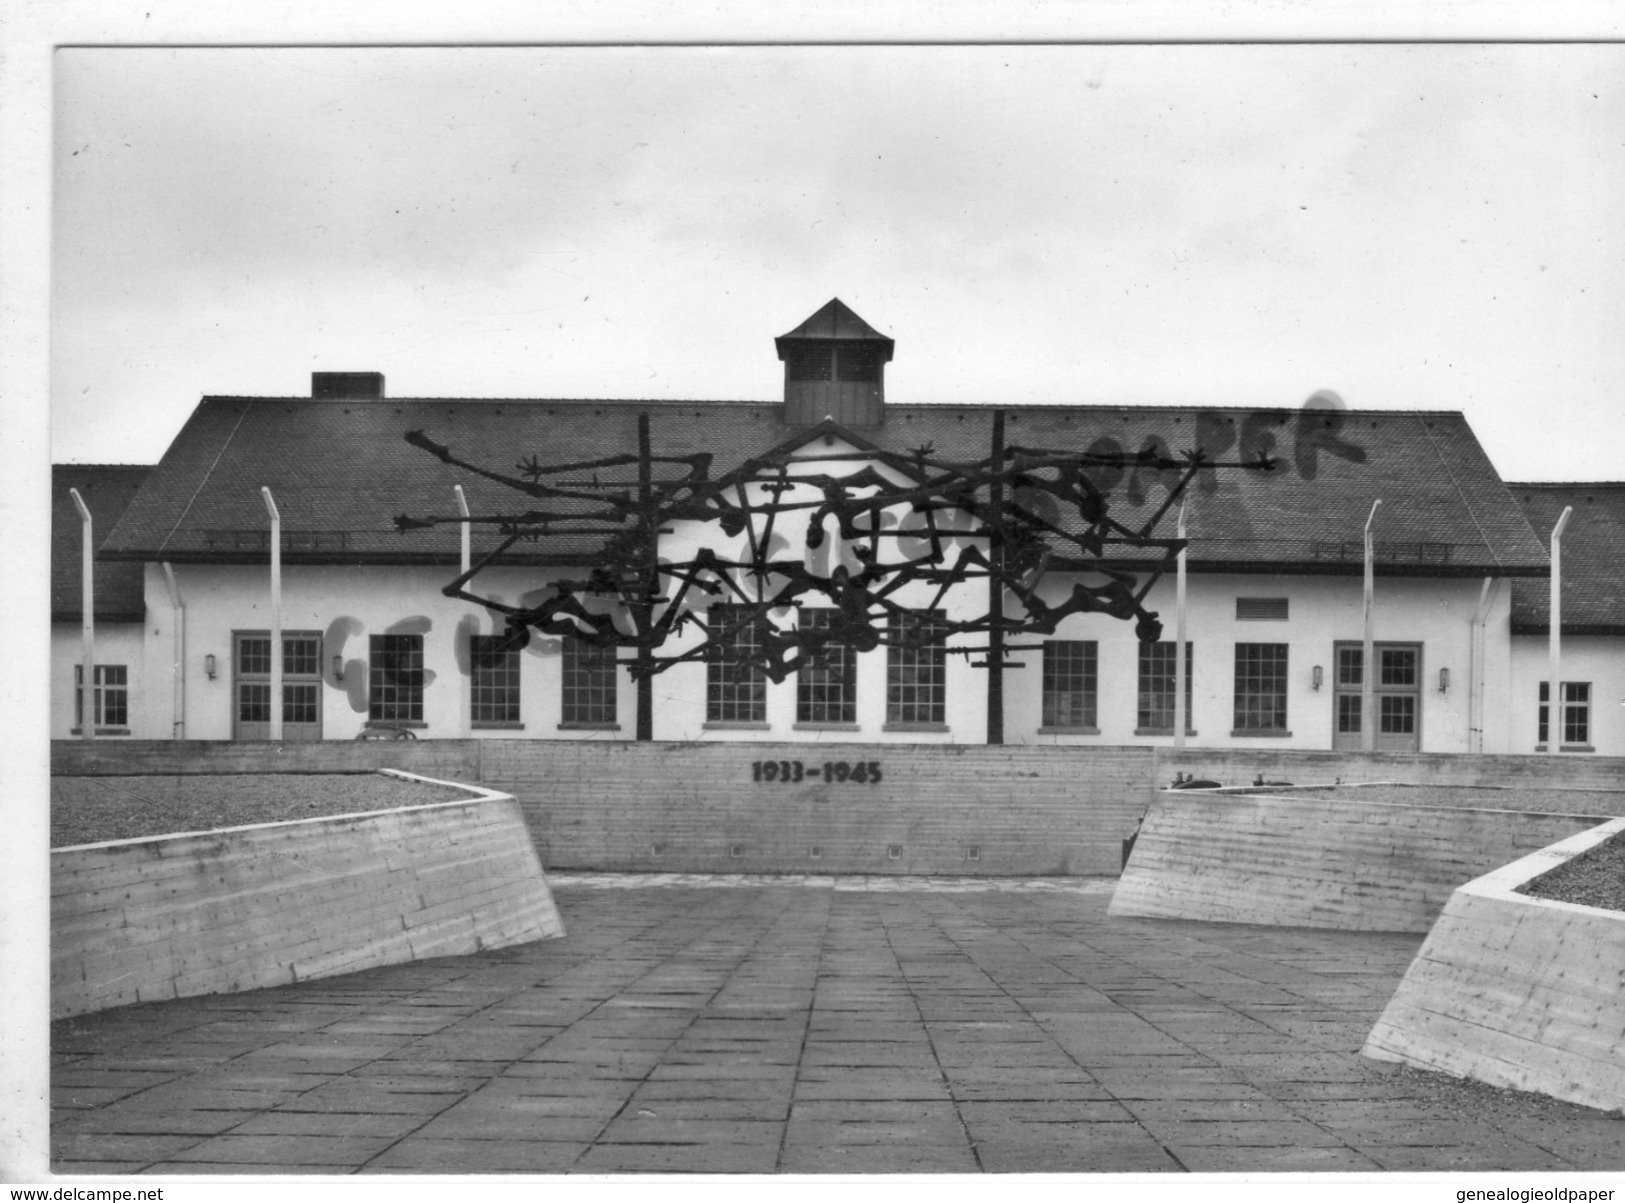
<point x="1397" y="667"/>
<point x="858" y="362"/>
<point x="1396" y="713"/>
<point x="494" y="692"/>
<point x="301" y="685"/>
<point x="395" y="679"/>
<point x="1348" y="713"/>
<point x="1261" y="609"/>
<point x="1069" y="683"/>
<point x="1576" y="712"/>
<point x="111" y="696"/>
<point x="808" y="363"/>
<point x="916" y="670"/>
<point x="1156" y="701"/>
<point x="1261" y="687"/>
<point x="589" y="684"/>
<point x="1396" y="697"/>
<point x="827" y="688"/>
<point x="1350" y="667"/>
<point x="735" y="687"/>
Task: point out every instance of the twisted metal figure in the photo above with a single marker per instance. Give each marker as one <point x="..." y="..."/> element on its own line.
<point x="900" y="521"/>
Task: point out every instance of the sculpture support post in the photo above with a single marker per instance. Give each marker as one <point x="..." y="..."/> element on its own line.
<point x="1181" y="719"/>
<point x="178" y="705"/>
<point x="87" y="618"/>
<point x="1475" y="692"/>
<point x="1554" y="641"/>
<point x="645" y="605"/>
<point x="276" y="615"/>
<point x="464" y="559"/>
<point x="1368" y="657"/>
<point x="995" y="589"/>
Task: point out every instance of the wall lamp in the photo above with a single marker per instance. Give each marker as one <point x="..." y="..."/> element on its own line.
<point x="1316" y="676"/>
<point x="208" y="666"/>
<point x="1444" y="680"/>
<point x="338" y="668"/>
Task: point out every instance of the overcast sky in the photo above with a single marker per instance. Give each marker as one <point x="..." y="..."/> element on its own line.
<point x="1414" y="227"/>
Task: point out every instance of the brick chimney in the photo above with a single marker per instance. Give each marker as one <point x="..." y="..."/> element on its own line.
<point x="347" y="386"/>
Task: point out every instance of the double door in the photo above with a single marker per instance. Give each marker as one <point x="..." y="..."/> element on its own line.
<point x="1398" y="690"/>
<point x="301" y="685"/>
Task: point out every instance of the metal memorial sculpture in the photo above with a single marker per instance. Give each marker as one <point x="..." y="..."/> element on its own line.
<point x="849" y="532"/>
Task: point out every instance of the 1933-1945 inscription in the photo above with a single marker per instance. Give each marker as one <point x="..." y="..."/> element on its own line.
<point x="796" y="772"/>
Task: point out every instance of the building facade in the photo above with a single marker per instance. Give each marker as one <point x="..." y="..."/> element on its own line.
<point x="1274" y="614"/>
<point x="1592" y="669"/>
<point x="119" y="639"/>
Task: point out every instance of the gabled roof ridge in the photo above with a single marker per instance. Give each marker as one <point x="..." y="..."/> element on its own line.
<point x="979" y="406"/>
<point x="385" y="402"/>
<point x="1128" y="407"/>
<point x="1566" y="484"/>
<point x="78" y="467"/>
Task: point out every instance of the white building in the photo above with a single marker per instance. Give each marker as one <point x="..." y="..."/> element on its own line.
<point x="118" y="639"/>
<point x="1592" y="627"/>
<point x="1274" y="617"/>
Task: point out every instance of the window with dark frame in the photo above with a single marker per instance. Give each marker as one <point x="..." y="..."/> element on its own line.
<point x="827" y="687"/>
<point x="110" y="699"/>
<point x="858" y="362"/>
<point x="1069" y="683"/>
<point x="494" y="681"/>
<point x="809" y="363"/>
<point x="590" y="683"/>
<point x="395" y="678"/>
<point x="1157" y="672"/>
<point x="735" y="688"/>
<point x="1396" y="713"/>
<point x="1397" y="666"/>
<point x="916" y="670"/>
<point x="1576" y="713"/>
<point x="1261" y="686"/>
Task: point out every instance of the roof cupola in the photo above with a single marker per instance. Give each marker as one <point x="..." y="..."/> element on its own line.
<point x="834" y="367"/>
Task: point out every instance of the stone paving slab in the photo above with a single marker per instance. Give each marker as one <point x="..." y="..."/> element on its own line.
<point x="808" y="1025"/>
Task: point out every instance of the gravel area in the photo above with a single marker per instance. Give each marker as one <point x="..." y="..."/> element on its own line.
<point x="1605" y="803"/>
<point x="88" y="810"/>
<point x="1595" y="878"/>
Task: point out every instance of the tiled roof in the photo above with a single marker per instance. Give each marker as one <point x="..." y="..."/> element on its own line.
<point x="1593" y="558"/>
<point x="835" y="320"/>
<point x="107" y="490"/>
<point x="341" y="470"/>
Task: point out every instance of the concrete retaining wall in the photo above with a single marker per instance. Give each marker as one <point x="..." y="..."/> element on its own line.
<point x="711" y="807"/>
<point x="1516" y="991"/>
<point x="1240" y="767"/>
<point x="448" y="759"/>
<point x="1318" y="862"/>
<point x="690" y="807"/>
<point x="245" y="907"/>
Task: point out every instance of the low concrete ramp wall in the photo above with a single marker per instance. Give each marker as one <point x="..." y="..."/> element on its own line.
<point x="236" y="909"/>
<point x="448" y="759"/>
<point x="1239" y="766"/>
<point x="1516" y="991"/>
<point x="1318" y="862"/>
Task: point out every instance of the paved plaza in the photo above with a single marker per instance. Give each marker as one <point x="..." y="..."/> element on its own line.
<point x="807" y="1026"/>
